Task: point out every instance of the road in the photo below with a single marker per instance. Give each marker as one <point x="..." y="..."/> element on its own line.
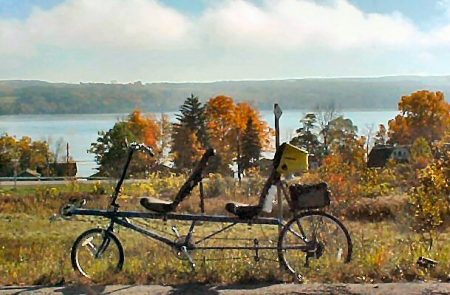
<point x="64" y="182"/>
<point x="306" y="289"/>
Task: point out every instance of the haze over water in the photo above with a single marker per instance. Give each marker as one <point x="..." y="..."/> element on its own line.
<point x="81" y="130"/>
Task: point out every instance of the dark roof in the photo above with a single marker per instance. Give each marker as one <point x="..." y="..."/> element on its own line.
<point x="163" y="169"/>
<point x="379" y="156"/>
<point x="29" y="173"/>
<point x="97" y="175"/>
<point x="60" y="169"/>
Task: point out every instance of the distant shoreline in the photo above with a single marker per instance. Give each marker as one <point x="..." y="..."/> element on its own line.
<point x="175" y="111"/>
<point x="342" y="94"/>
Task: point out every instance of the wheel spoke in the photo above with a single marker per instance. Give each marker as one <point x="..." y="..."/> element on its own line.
<point x="302" y="237"/>
<point x="96" y="253"/>
<point x="326" y="243"/>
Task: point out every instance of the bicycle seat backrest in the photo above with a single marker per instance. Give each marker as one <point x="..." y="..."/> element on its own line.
<point x="194" y="178"/>
<point x="273" y="174"/>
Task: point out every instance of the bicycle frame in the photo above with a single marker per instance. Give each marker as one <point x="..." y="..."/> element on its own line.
<point x="187" y="243"/>
<point x="121" y="217"/>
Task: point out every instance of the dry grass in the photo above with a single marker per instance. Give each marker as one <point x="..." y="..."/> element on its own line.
<point x="377" y="209"/>
<point x="35" y="245"/>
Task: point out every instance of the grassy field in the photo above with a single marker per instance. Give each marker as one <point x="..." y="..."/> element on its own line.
<point x="35" y="244"/>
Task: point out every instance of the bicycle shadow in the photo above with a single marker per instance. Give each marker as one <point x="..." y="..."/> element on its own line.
<point x="66" y="290"/>
<point x="82" y="289"/>
<point x="20" y="289"/>
<point x="193" y="289"/>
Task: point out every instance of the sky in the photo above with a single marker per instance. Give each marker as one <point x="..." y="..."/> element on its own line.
<point x="209" y="40"/>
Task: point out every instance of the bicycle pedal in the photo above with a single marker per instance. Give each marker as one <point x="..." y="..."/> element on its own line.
<point x="298" y="279"/>
<point x="191" y="261"/>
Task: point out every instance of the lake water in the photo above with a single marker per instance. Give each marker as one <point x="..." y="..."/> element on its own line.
<point x="81" y="130"/>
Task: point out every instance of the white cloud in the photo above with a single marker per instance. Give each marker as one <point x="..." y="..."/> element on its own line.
<point x="296" y="24"/>
<point x="444" y="5"/>
<point x="147" y="24"/>
<point x="438" y="38"/>
<point x="231" y="38"/>
<point x="99" y="24"/>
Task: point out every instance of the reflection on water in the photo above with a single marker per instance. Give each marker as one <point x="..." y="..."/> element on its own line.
<point x="81" y="130"/>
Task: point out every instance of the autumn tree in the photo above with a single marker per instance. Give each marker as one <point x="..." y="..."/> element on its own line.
<point x="251" y="146"/>
<point x="343" y="139"/>
<point x="28" y="153"/>
<point x="227" y="123"/>
<point x="189" y="148"/>
<point x="111" y="147"/>
<point x="221" y="124"/>
<point x="421" y="154"/>
<point x="422" y="114"/>
<point x="189" y="137"/>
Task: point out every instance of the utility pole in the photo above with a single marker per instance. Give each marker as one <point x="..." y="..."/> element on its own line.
<point x="238" y="137"/>
<point x="15" y="165"/>
<point x="67" y="160"/>
<point x="67" y="152"/>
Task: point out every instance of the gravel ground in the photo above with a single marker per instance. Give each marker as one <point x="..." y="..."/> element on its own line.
<point x="307" y="289"/>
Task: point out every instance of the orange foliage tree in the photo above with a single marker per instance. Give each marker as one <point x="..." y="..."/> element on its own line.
<point x="188" y="148"/>
<point x="111" y="146"/>
<point x="226" y="123"/>
<point x="423" y="114"/>
<point x="28" y="153"/>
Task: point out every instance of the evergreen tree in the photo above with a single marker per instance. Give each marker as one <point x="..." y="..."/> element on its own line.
<point x="308" y="137"/>
<point x="189" y="135"/>
<point x="193" y="117"/>
<point x="251" y="146"/>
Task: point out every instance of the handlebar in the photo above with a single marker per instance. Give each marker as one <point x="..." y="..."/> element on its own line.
<point x="142" y="147"/>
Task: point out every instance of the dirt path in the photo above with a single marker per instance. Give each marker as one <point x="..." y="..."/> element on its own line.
<point x="307" y="289"/>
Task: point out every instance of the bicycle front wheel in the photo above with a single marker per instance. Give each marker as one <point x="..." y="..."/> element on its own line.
<point x="96" y="254"/>
<point x="313" y="240"/>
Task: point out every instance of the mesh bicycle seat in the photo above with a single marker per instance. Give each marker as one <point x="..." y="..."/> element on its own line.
<point x="243" y="211"/>
<point x="156" y="205"/>
<point x="162" y="206"/>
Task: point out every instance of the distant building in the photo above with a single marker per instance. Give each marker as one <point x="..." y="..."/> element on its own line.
<point x="59" y="169"/>
<point x="265" y="166"/>
<point x="28" y="173"/>
<point x="163" y="170"/>
<point x="381" y="154"/>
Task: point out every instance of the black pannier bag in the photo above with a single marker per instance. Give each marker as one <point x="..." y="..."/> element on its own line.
<point x="309" y="196"/>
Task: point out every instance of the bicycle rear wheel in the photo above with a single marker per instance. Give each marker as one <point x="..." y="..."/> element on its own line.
<point x="313" y="240"/>
<point x="96" y="254"/>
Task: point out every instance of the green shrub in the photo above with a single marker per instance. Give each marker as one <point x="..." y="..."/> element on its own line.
<point x="429" y="198"/>
<point x="217" y="185"/>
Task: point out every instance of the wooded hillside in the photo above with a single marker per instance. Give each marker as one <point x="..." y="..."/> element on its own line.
<point x="37" y="97"/>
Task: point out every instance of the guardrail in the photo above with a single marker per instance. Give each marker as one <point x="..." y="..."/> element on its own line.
<point x="53" y="178"/>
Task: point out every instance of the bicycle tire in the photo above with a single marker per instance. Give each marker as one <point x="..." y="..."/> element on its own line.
<point x="344" y="251"/>
<point x="108" y="239"/>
